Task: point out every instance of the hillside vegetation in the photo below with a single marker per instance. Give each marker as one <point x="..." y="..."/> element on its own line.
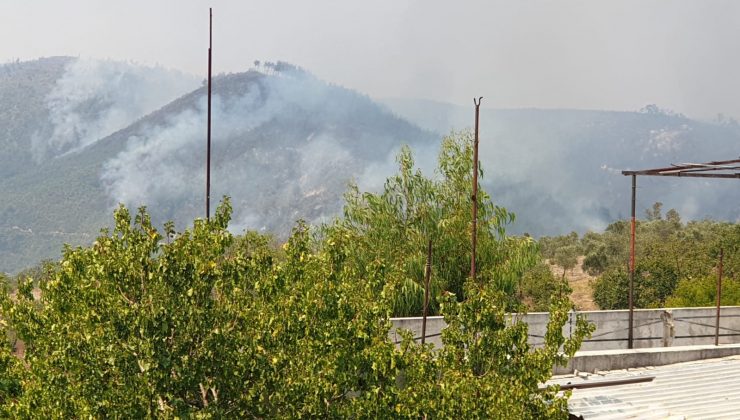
<point x="285" y="147"/>
<point x="676" y="262"/>
<point x="80" y="136"/>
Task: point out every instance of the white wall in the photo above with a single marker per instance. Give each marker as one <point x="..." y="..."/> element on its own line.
<point x="653" y="327"/>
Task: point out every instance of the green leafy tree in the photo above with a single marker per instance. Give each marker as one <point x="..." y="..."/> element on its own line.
<point x="605" y="250"/>
<point x="10" y="367"/>
<point x="667" y="252"/>
<point x="136" y="327"/>
<point x="395" y="225"/>
<point x="655" y="213"/>
<point x="201" y="323"/>
<point x="562" y="251"/>
<point x="703" y="292"/>
<point x="539" y="287"/>
<point x="653" y="284"/>
<point x="140" y="326"/>
<point x="40" y="272"/>
<point x="486" y="370"/>
<point x="610" y="290"/>
<point x="673" y="217"/>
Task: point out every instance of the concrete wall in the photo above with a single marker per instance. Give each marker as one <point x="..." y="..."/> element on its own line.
<point x="603" y="360"/>
<point x="653" y="327"/>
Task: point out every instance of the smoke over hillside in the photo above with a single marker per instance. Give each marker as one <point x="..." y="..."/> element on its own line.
<point x="95" y="98"/>
<point x="560" y="170"/>
<point x="285" y="145"/>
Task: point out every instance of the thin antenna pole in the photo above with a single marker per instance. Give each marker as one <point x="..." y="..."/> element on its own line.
<point x="427" y="278"/>
<point x="208" y="153"/>
<point x="719" y="296"/>
<point x="630" y="333"/>
<point x="474" y="197"/>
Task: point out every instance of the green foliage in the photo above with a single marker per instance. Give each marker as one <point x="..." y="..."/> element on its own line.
<point x="11" y="373"/>
<point x="10" y="366"/>
<point x="205" y="325"/>
<point x="256" y="246"/>
<point x="653" y="283"/>
<point x="485" y="369"/>
<point x="667" y="252"/>
<point x="395" y="225"/>
<point x="703" y="292"/>
<point x="595" y="263"/>
<point x="539" y="288"/>
<point x="562" y="251"/>
<point x="656" y="212"/>
<point x="135" y="327"/>
<point x="610" y="291"/>
<point x="606" y="250"/>
<point x="40" y="272"/>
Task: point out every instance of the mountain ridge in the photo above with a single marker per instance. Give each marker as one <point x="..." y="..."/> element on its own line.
<point x="286" y="144"/>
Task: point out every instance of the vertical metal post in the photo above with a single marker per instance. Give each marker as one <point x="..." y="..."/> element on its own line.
<point x="208" y="152"/>
<point x="474" y="197"/>
<point x="719" y="297"/>
<point x="427" y="278"/>
<point x="630" y="336"/>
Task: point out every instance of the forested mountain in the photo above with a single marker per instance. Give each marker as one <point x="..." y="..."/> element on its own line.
<point x="58" y="105"/>
<point x="53" y="111"/>
<point x="285" y="146"/>
<point x="24" y="87"/>
<point x="79" y="136"/>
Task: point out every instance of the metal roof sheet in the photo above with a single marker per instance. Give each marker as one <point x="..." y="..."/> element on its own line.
<point x="706" y="389"/>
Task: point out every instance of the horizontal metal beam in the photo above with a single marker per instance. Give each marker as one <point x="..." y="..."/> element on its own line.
<point x="715" y="169"/>
<point x="683" y="174"/>
<point x="607" y="382"/>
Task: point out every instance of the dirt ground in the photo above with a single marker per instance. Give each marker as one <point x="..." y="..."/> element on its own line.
<point x="579" y="282"/>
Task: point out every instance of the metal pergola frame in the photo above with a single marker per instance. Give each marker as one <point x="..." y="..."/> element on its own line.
<point x="726" y="169"/>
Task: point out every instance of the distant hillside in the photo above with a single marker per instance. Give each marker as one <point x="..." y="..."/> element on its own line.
<point x="24" y="87"/>
<point x="560" y="170"/>
<point x="79" y="136"/>
<point x="285" y="145"/>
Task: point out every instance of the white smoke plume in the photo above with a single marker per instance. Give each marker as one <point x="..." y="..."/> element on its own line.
<point x="285" y="145"/>
<point x="560" y="170"/>
<point x="95" y="98"/>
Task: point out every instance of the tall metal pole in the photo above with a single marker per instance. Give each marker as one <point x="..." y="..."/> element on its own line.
<point x="630" y="337"/>
<point x="474" y="197"/>
<point x="427" y="278"/>
<point x="208" y="153"/>
<point x="719" y="297"/>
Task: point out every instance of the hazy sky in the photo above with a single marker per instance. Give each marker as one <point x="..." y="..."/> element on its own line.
<point x="619" y="54"/>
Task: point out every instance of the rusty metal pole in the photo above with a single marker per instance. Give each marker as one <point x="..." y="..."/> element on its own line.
<point x="208" y="152"/>
<point x="630" y="336"/>
<point x="427" y="278"/>
<point x="474" y="197"/>
<point x="719" y="296"/>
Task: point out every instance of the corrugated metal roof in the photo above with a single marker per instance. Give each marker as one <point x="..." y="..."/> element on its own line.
<point x="706" y="389"/>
